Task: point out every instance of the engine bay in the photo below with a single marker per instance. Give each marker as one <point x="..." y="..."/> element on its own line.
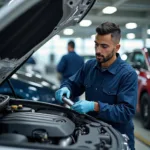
<point x="29" y="124"/>
<point x="26" y="122"/>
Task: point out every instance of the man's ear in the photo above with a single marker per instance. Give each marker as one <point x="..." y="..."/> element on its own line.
<point x="117" y="47"/>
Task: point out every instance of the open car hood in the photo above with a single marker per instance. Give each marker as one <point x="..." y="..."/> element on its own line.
<point x="25" y="25"/>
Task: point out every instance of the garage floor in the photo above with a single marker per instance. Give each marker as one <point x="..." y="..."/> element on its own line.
<point x="140" y="146"/>
<point x="142" y="136"/>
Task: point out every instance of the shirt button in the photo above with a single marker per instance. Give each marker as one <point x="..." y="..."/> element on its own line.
<point x="96" y="89"/>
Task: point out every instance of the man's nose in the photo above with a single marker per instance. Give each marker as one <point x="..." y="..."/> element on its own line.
<point x="98" y="48"/>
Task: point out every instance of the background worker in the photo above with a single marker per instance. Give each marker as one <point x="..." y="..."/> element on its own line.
<point x="70" y="63"/>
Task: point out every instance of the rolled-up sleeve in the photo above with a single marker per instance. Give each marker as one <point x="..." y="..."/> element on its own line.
<point x="125" y="108"/>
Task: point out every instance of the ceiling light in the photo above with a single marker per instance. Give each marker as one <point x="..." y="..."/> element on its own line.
<point x="85" y="23"/>
<point x="109" y="10"/>
<point x="130" y="36"/>
<point x="68" y="32"/>
<point x="148" y="31"/>
<point x="131" y="25"/>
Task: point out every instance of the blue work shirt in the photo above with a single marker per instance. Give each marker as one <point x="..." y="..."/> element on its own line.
<point x="114" y="88"/>
<point x="69" y="65"/>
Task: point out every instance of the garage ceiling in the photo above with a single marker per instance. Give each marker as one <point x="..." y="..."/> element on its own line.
<point x="137" y="11"/>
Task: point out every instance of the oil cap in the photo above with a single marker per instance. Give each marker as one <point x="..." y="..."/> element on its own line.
<point x="14" y="107"/>
<point x="20" y="106"/>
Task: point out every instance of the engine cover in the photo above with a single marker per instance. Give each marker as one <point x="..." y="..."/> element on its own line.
<point x="27" y="122"/>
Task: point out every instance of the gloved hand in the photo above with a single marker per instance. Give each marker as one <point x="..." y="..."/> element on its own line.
<point x="59" y="93"/>
<point x="83" y="106"/>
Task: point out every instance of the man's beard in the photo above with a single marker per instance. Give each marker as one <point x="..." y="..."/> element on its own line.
<point x="101" y="59"/>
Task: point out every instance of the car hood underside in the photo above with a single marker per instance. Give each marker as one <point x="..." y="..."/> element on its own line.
<point x="29" y="24"/>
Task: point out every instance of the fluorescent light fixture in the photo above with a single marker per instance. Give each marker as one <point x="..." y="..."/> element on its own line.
<point x="130" y="36"/>
<point x="93" y="36"/>
<point x="85" y="23"/>
<point x="131" y="25"/>
<point x="148" y="31"/>
<point x="109" y="10"/>
<point x="68" y="31"/>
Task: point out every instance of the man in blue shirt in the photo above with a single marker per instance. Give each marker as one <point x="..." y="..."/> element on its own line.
<point x="110" y="84"/>
<point x="70" y="63"/>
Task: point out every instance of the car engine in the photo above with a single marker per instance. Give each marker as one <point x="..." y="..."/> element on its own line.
<point x="45" y="125"/>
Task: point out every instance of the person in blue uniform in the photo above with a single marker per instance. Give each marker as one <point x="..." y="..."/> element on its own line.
<point x="31" y="61"/>
<point x="70" y="63"/>
<point x="110" y="84"/>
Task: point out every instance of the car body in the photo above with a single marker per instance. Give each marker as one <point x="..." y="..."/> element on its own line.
<point x="140" y="60"/>
<point x="30" y="86"/>
<point x="24" y="27"/>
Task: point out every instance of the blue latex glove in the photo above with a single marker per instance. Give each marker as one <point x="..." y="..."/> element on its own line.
<point x="59" y="93"/>
<point x="83" y="106"/>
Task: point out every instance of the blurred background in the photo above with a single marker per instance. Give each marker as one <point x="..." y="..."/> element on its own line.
<point x="133" y="17"/>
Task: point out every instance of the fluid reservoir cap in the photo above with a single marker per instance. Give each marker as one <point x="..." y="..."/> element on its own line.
<point x="14" y="107"/>
<point x="20" y="106"/>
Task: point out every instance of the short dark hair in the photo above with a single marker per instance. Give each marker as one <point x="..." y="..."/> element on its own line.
<point x="71" y="44"/>
<point x="110" y="28"/>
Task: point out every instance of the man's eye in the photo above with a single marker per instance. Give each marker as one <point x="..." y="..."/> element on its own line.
<point x="104" y="46"/>
<point x="96" y="45"/>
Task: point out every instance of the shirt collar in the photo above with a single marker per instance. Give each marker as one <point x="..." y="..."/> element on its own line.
<point x="72" y="52"/>
<point x="113" y="68"/>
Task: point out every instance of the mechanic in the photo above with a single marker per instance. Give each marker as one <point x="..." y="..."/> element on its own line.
<point x="110" y="84"/>
<point x="70" y="63"/>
